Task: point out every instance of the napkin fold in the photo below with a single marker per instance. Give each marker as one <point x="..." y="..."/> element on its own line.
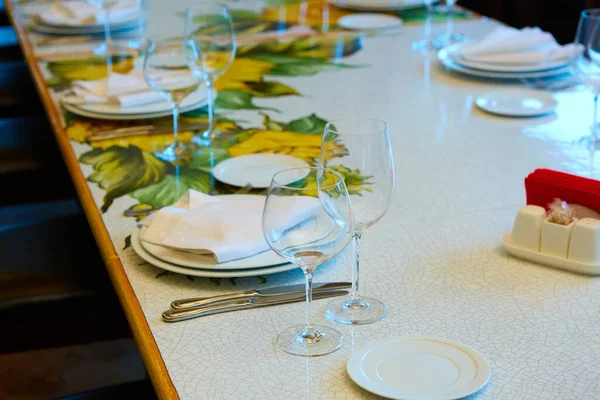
<point x="225" y="227"/>
<point x="79" y="12"/>
<point x="127" y="90"/>
<point x="505" y="45"/>
<point x="544" y="185"/>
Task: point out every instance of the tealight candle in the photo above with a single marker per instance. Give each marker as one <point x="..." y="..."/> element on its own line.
<point x="527" y="230"/>
<point x="585" y="241"/>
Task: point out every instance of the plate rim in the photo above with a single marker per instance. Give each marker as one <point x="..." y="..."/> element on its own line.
<point x="398" y="22"/>
<point x="138" y="249"/>
<point x="246" y="156"/>
<point x="353" y="365"/>
<point x="412" y="4"/>
<point x="548" y="99"/>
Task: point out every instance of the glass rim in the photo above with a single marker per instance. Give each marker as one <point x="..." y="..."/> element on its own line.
<point x="591" y="13"/>
<point x="287" y="185"/>
<point x="330" y="124"/>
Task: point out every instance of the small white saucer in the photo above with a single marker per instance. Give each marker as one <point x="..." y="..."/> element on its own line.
<point x="419" y="368"/>
<point x="517" y="103"/>
<point x="256" y="169"/>
<point x="369" y="21"/>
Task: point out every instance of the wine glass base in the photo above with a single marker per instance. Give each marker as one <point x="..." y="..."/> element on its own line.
<point x="326" y="341"/>
<point x="171" y="153"/>
<point x="205" y="138"/>
<point x="426" y="45"/>
<point x="448" y="39"/>
<point x="361" y="311"/>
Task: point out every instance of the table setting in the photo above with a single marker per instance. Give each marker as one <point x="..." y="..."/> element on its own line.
<point x="276" y="236"/>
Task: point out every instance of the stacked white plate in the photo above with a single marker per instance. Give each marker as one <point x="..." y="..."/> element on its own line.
<point x="186" y="263"/>
<point x="378" y="5"/>
<point x="113" y="111"/>
<point x="450" y="57"/>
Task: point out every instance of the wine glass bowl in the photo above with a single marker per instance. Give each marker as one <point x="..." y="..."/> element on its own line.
<point x="308" y="222"/>
<point x="171" y="69"/>
<point x="370" y="154"/>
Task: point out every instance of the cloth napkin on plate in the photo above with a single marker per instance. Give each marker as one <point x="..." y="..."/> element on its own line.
<point x="226" y="227"/>
<point x="127" y="90"/>
<point x="505" y="45"/>
<point x="545" y="185"/>
<point x="79" y="12"/>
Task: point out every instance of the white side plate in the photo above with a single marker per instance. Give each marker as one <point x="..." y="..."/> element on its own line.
<point x="517" y="103"/>
<point x="256" y="169"/>
<point x="419" y="368"/>
<point x="369" y="22"/>
<point x="139" y="249"/>
<point x="548" y="260"/>
<point x="379" y="5"/>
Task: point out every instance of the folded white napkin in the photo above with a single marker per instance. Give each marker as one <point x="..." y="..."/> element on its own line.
<point x="127" y="90"/>
<point x="226" y="227"/>
<point x="79" y="12"/>
<point x="506" y="45"/>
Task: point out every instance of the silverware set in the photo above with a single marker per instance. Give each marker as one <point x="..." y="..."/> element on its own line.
<point x="185" y="309"/>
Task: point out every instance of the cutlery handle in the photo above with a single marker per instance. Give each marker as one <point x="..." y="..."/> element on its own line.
<point x="201" y="302"/>
<point x="189" y="313"/>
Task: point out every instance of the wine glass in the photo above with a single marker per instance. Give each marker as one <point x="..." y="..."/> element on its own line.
<point x="427" y="43"/>
<point x="369" y="156"/>
<point x="307" y="219"/>
<point x="209" y="24"/>
<point x="450" y="37"/>
<point x="106" y="6"/>
<point x="586" y="61"/>
<point x="171" y="69"/>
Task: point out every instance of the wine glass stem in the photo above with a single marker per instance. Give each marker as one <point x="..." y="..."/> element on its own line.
<point x="211" y="109"/>
<point x="309" y="332"/>
<point x="450" y="24"/>
<point x="107" y="37"/>
<point x="594" y="125"/>
<point x="428" y="21"/>
<point x="175" y="125"/>
<point x="355" y="271"/>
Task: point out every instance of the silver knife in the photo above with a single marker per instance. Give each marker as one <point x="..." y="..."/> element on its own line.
<point x="189" y="313"/>
<point x="262" y="293"/>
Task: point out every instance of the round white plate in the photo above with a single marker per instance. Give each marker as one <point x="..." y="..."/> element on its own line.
<point x="369" y="21"/>
<point x="453" y="54"/>
<point x="517" y="103"/>
<point x="139" y="249"/>
<point x="256" y="169"/>
<point x="451" y="65"/>
<point x="60" y="30"/>
<point x="190" y="260"/>
<point x="148" y="111"/>
<point x="419" y="368"/>
<point x="379" y="5"/>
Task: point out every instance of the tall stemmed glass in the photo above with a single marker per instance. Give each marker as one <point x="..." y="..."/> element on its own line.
<point x="321" y="230"/>
<point x="586" y="61"/>
<point x="369" y="155"/>
<point x="106" y="6"/>
<point x="170" y="68"/>
<point x="450" y="37"/>
<point x="427" y="43"/>
<point x="209" y="24"/>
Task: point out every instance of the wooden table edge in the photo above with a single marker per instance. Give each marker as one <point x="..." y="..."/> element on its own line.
<point x="142" y="334"/>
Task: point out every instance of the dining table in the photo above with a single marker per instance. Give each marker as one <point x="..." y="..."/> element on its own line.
<point x="435" y="259"/>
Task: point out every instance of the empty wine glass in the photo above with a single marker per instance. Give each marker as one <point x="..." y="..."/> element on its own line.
<point x="307" y="219"/>
<point x="427" y="43"/>
<point x="449" y="37"/>
<point x="170" y="68"/>
<point x="370" y="158"/>
<point x="586" y="61"/>
<point x="106" y="6"/>
<point x="209" y="24"/>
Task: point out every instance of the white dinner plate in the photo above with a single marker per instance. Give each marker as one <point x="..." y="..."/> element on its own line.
<point x="91" y="30"/>
<point x="364" y="21"/>
<point x="190" y="260"/>
<point x="454" y="55"/>
<point x="206" y="273"/>
<point x="256" y="169"/>
<point x="517" y="103"/>
<point x="148" y="111"/>
<point x="379" y="5"/>
<point x="451" y="65"/>
<point x="419" y="368"/>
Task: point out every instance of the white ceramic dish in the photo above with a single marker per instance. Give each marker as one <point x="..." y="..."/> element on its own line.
<point x="76" y="30"/>
<point x="139" y="249"/>
<point x="256" y="169"/>
<point x="185" y="259"/>
<point x="379" y="5"/>
<point x="547" y="259"/>
<point x="369" y="22"/>
<point x="454" y="55"/>
<point x="419" y="368"/>
<point x="451" y="65"/>
<point x="517" y="103"/>
<point x="148" y="111"/>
